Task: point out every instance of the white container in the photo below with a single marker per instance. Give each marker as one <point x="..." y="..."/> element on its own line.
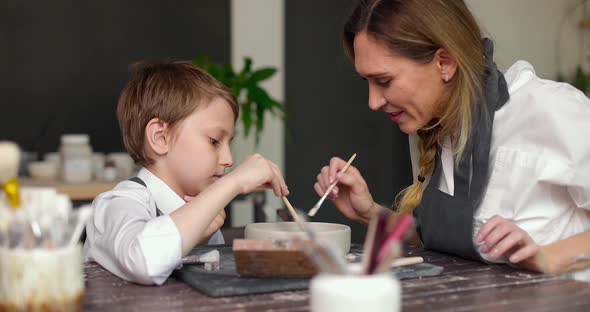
<point x="355" y="293"/>
<point x="123" y="163"/>
<point x="41" y="279"/>
<point x="43" y="170"/>
<point x="76" y="154"/>
<point x="98" y="160"/>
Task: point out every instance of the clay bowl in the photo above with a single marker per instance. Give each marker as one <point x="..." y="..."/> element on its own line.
<point x="337" y="235"/>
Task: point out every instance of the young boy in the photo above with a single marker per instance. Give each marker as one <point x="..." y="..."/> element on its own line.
<point x="177" y="121"/>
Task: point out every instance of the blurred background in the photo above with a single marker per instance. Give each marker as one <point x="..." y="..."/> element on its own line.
<point x="64" y="64"/>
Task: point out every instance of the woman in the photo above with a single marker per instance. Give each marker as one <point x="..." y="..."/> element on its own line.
<point x="501" y="164"/>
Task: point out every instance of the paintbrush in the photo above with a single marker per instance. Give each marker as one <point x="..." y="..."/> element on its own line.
<point x="9" y="160"/>
<point x="316" y="207"/>
<point x="396" y="234"/>
<point x="391" y="247"/>
<point x="379" y="237"/>
<point x="297" y="219"/>
<point x="368" y="245"/>
<point x="323" y="254"/>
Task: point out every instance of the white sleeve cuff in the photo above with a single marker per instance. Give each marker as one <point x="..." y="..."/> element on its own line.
<point x="161" y="245"/>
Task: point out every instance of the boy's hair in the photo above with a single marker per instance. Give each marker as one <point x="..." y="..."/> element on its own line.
<point x="169" y="91"/>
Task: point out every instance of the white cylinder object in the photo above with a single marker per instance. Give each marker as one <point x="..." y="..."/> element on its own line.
<point x="355" y="293"/>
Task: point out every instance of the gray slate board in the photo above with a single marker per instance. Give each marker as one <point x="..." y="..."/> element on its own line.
<point x="227" y="282"/>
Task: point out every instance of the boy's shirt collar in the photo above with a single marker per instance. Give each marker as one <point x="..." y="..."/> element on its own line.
<point x="166" y="199"/>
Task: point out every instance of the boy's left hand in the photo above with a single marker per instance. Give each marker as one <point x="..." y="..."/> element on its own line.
<point x="215" y="225"/>
<point x="504" y="238"/>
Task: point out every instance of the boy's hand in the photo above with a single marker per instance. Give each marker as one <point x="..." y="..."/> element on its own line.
<point x="504" y="238"/>
<point x="256" y="172"/>
<point x="215" y="225"/>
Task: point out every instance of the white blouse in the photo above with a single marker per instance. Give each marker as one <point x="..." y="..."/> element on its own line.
<point x="539" y="159"/>
<point x="127" y="238"/>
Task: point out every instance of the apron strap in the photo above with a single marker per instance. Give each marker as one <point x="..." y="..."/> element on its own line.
<point x="137" y="180"/>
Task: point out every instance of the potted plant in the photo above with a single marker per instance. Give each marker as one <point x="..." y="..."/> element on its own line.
<point x="253" y="100"/>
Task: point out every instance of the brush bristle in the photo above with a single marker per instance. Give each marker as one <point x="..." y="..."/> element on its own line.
<point x="9" y="161"/>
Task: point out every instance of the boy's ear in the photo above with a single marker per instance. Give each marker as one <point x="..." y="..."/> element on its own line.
<point x="157" y="136"/>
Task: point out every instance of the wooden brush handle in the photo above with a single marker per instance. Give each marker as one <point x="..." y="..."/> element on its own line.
<point x="331" y="187"/>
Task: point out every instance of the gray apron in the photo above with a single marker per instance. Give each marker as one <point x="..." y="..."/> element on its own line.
<point x="445" y="222"/>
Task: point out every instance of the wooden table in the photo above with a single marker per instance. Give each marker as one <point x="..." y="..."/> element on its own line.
<point x="463" y="286"/>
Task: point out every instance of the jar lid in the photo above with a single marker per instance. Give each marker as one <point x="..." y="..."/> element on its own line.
<point x="75" y="139"/>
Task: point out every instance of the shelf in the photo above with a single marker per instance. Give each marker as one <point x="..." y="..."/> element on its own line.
<point x="76" y="191"/>
<point x="584" y="24"/>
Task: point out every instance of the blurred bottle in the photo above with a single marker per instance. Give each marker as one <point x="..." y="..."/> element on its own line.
<point x="76" y="154"/>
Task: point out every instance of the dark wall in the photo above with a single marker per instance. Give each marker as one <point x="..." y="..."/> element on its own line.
<point x="64" y="63"/>
<point x="328" y="113"/>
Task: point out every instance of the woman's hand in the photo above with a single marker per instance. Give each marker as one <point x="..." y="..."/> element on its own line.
<point x="256" y="172"/>
<point x="351" y="195"/>
<point x="504" y="238"/>
<point x="215" y="225"/>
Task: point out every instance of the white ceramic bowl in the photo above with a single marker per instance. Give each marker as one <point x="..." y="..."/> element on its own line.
<point x="337" y="235"/>
<point x="43" y="170"/>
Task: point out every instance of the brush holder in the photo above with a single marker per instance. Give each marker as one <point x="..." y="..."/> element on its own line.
<point x="41" y="279"/>
<point x="355" y="292"/>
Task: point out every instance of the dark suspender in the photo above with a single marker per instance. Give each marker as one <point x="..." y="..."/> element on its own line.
<point x="138" y="181"/>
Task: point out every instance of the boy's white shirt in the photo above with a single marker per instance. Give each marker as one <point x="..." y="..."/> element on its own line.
<point x="539" y="160"/>
<point x="127" y="238"/>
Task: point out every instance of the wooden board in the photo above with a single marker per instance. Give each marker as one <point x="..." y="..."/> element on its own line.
<point x="265" y="258"/>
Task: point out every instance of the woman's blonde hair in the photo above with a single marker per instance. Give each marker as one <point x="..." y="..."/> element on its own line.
<point x="417" y="29"/>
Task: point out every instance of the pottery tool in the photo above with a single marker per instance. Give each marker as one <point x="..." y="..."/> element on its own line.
<point x="316" y="207"/>
<point x="9" y="161"/>
<point x="298" y="219"/>
<point x="211" y="260"/>
<point x="405" y="261"/>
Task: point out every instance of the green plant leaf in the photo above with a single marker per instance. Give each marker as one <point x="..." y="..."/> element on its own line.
<point x="259" y="121"/>
<point x="217" y="72"/>
<point x="262" y="74"/>
<point x="256" y="102"/>
<point x="276" y="108"/>
<point x="246" y="116"/>
<point x="247" y="66"/>
<point x="201" y="61"/>
<point x="257" y="95"/>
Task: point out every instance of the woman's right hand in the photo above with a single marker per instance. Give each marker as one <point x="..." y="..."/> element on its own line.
<point x="351" y="195"/>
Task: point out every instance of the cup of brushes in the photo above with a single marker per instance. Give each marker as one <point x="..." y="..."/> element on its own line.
<point x="369" y="286"/>
<point x="40" y="254"/>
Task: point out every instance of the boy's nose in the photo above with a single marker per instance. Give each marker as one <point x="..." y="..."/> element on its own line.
<point x="226" y="159"/>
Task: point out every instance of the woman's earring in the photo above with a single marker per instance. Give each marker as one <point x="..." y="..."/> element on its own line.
<point x="446" y="78"/>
